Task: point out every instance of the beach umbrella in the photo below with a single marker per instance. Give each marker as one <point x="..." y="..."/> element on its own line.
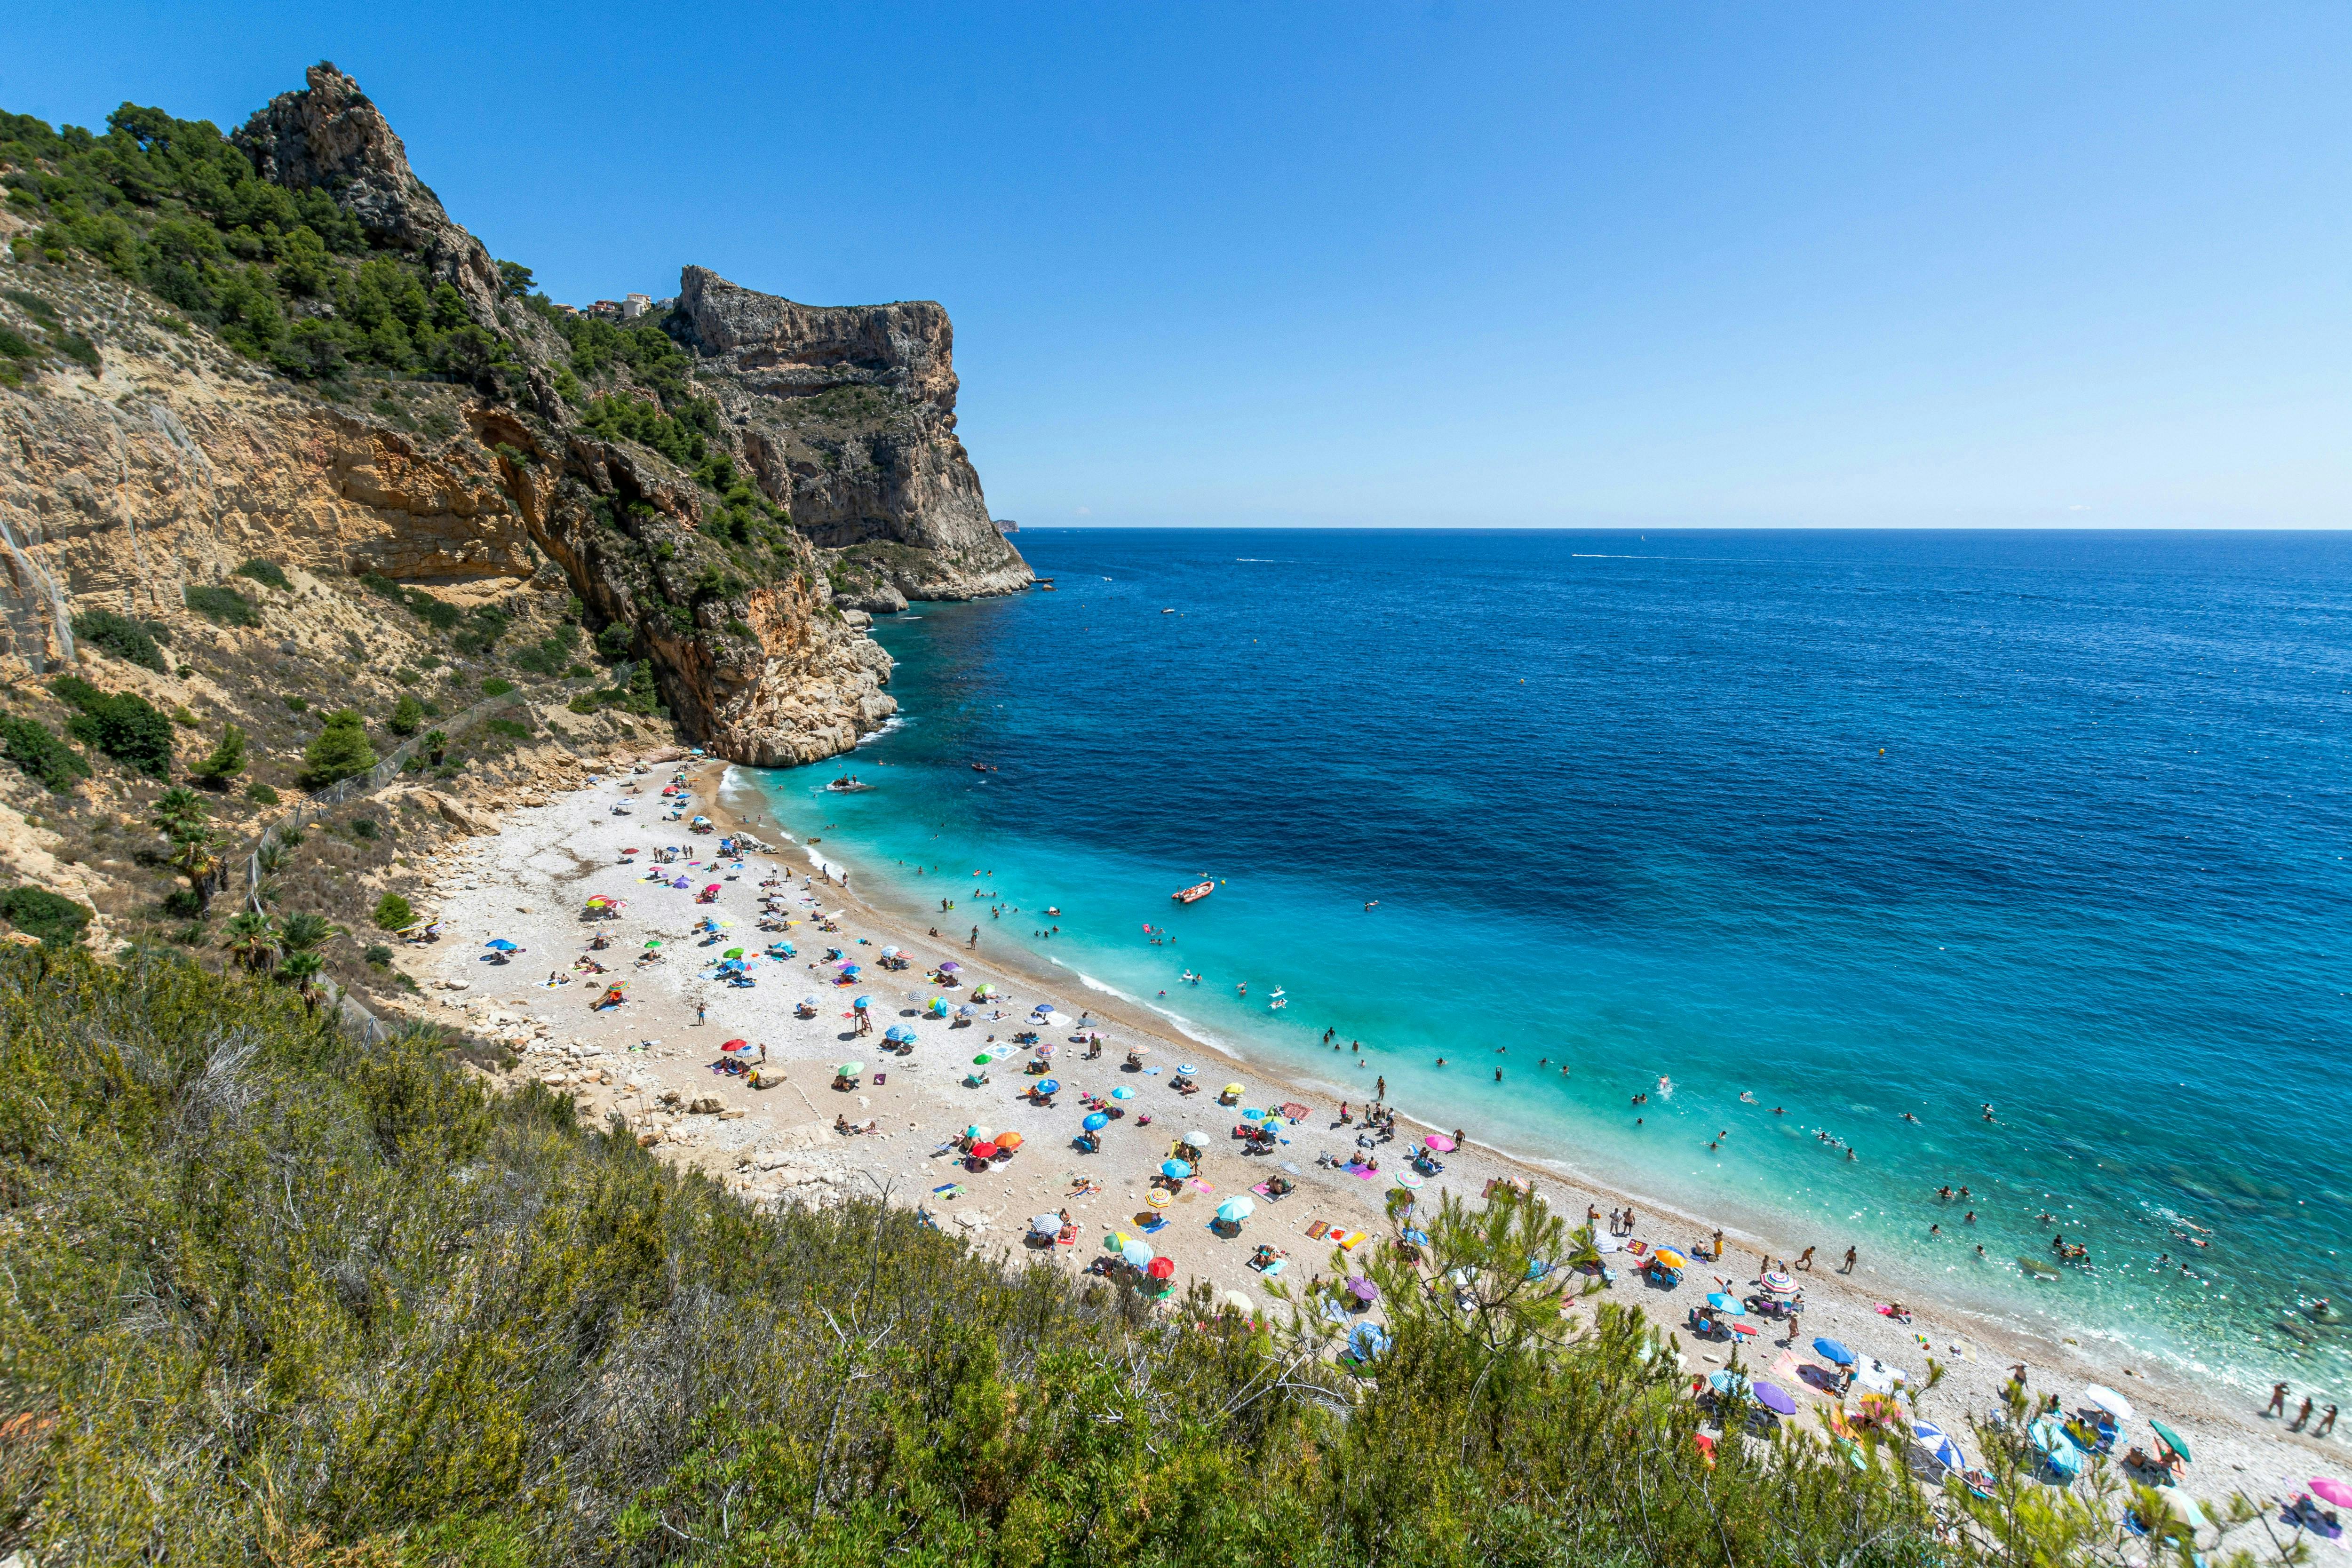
<point x="1095" y="1123"/>
<point x="1727" y="1305"/>
<point x="1175" y="1168"/>
<point x="1197" y="1139"/>
<point x="1727" y="1383"/>
<point x="1122" y="1092"/>
<point x="983" y="1150"/>
<point x="1184" y="1069"/>
<point x="1362" y="1289"/>
<point x="967" y="1011"/>
<point x="732" y="952"/>
<point x="1045" y="1225"/>
<point x="2108" y="1400"/>
<point x="1048" y="1085"/>
<point x="1137" y="1253"/>
<point x="949" y="966"/>
<point x="2325" y="1486"/>
<point x="1938" y="1445"/>
<point x="1367" y="1340"/>
<point x="889" y="953"/>
<point x="736" y="1046"/>
<point x="983" y="1059"/>
<point x="980" y="1133"/>
<point x="898" y="1032"/>
<point x="502" y="945"/>
<point x="850" y="1069"/>
<point x="850" y="972"/>
<point x="862" y="1004"/>
<point x="1833" y="1352"/>
<point x="1668" y="1257"/>
<point x="1008" y="1141"/>
<point x="1231" y="1089"/>
<point x="1160" y="1267"/>
<point x="1440" y="1142"/>
<point x="1235" y="1209"/>
<point x="655" y="942"/>
<point x="1777" y="1283"/>
<point x="2181" y="1448"/>
<point x="1742" y="1328"/>
<point x="1418" y="1238"/>
<point x="1775" y="1398"/>
<point x="808" y="1001"/>
<point x="982" y="993"/>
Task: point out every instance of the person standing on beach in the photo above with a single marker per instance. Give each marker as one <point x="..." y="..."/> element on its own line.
<point x="974" y="944"/>
<point x="2326" y="1424"/>
<point x="1380" y="1088"/>
<point x="701" y="1012"/>
<point x="2278" y="1400"/>
<point x="1805" y="1261"/>
<point x="1849" y="1260"/>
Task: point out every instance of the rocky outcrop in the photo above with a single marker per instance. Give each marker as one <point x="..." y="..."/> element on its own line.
<point x="169" y="460"/>
<point x="331" y="137"/>
<point x="847" y="415"/>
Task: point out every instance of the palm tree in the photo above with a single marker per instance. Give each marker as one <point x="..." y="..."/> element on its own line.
<point x="180" y="813"/>
<point x="301" y="970"/>
<point x="304" y="932"/>
<point x="252" y="940"/>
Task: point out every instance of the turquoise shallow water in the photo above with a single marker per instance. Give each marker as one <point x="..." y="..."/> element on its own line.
<point x="1857" y="824"/>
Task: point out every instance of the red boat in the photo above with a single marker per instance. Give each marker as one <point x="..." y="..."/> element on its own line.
<point x="1194" y="893"/>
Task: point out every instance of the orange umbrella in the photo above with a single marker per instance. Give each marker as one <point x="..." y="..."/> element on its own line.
<point x="1008" y="1140"/>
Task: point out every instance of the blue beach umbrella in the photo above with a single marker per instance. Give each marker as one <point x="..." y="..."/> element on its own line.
<point x="1044" y="1085"/>
<point x="501" y="943"/>
<point x="1833" y="1352"/>
<point x="897" y="1032"/>
<point x="863" y="1002"/>
<point x="1174" y="1169"/>
<point x="1727" y="1305"/>
<point x="1122" y="1092"/>
<point x="1095" y="1123"/>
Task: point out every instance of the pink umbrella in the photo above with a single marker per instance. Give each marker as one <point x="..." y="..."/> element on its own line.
<point x="1440" y="1142"/>
<point x="2334" y="1490"/>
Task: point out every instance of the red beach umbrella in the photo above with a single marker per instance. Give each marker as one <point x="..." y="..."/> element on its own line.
<point x="1160" y="1267"/>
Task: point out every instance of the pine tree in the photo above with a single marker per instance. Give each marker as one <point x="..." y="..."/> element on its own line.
<point x="408" y="715"/>
<point x="341" y="752"/>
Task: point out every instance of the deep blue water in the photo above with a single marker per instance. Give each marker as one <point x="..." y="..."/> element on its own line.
<point x="1858" y="823"/>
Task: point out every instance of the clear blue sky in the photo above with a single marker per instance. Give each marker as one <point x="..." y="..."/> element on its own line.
<point x="1563" y="265"/>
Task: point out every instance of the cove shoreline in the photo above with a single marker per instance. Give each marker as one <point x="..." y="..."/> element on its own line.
<point x="1975" y="1345"/>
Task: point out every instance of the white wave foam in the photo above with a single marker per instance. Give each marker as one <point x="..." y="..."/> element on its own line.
<point x="890" y="727"/>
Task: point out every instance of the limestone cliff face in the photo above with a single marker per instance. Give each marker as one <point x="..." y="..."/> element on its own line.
<point x="847" y="414"/>
<point x="172" y="459"/>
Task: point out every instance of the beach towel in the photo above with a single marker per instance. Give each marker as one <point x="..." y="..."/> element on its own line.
<point x="947" y="1190"/>
<point x="1260" y="1190"/>
<point x="1319" y="1230"/>
<point x="1274" y="1268"/>
<point x="1362" y="1173"/>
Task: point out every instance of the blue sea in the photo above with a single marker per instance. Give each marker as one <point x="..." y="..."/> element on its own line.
<point x="1854" y="823"/>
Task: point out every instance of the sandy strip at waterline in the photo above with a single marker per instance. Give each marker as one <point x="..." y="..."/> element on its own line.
<point x="529" y="883"/>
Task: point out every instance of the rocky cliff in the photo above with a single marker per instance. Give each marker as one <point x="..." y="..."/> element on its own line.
<point x="847" y="414"/>
<point x="280" y="345"/>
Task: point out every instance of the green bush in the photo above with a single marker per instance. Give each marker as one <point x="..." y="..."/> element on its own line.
<point x="341" y="752"/>
<point x="121" y="637"/>
<point x="366" y="828"/>
<point x="123" y="724"/>
<point x="225" y="605"/>
<point x="226" y="761"/>
<point x="393" y="913"/>
<point x="58" y="921"/>
<point x="28" y="743"/>
<point x="260" y="794"/>
<point x="407" y="716"/>
<point x="497" y="686"/>
<point x="296" y="704"/>
<point x="267" y="572"/>
<point x="377" y="956"/>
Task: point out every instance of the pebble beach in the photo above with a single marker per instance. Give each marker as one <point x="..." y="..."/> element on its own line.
<point x="649" y="1063"/>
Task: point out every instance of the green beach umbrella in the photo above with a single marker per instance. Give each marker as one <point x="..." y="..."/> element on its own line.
<point x="2173" y="1438"/>
<point x="655" y="943"/>
<point x="734" y="952"/>
<point x="983" y="1059"/>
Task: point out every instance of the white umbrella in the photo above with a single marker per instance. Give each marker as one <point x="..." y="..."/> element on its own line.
<point x="1137" y="1254"/>
<point x="2108" y="1400"/>
<point x="1198" y="1140"/>
<point x="1045" y="1225"/>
